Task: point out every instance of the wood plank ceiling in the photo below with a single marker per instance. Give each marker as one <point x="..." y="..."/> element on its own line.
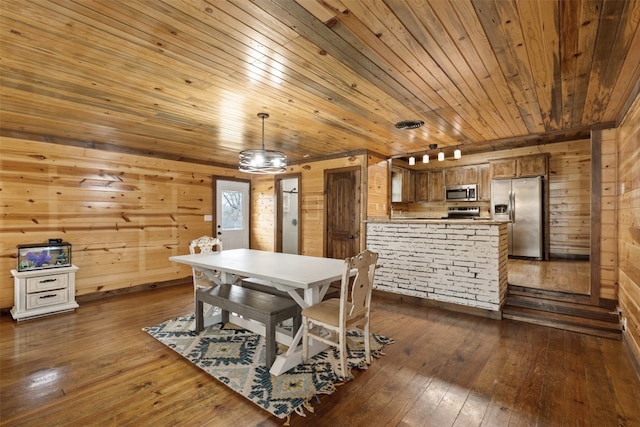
<point x="185" y="79"/>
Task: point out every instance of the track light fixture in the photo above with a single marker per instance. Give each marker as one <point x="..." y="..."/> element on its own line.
<point x="457" y="154"/>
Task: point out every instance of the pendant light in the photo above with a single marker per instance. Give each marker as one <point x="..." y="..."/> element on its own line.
<point x="262" y="161"/>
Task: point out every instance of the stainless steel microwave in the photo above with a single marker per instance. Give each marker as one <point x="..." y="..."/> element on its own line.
<point x="462" y="193"/>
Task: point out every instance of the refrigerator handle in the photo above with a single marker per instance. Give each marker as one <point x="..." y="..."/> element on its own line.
<point x="512" y="206"/>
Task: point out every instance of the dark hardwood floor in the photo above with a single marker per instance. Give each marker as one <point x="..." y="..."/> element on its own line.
<point x="97" y="367"/>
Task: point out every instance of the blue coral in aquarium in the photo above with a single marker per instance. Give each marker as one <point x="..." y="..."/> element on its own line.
<point x="38" y="259"/>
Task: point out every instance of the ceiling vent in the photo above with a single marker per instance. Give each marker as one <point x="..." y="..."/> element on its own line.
<point x="409" y="124"/>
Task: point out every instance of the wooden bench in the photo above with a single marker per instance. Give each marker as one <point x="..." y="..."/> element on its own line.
<point x="252" y="304"/>
<point x="264" y="286"/>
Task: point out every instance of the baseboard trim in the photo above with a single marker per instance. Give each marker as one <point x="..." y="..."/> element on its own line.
<point x="635" y="358"/>
<point x="497" y="315"/>
<point x="125" y="291"/>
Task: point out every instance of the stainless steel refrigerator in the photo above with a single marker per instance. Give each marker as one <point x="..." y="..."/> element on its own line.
<point x="519" y="200"/>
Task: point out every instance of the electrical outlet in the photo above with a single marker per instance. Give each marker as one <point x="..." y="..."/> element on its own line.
<point x="208" y="218"/>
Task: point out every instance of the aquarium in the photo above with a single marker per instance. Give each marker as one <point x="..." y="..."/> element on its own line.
<point x="41" y="256"/>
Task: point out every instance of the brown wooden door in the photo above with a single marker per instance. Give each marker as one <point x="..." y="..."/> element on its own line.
<point x="342" y="192"/>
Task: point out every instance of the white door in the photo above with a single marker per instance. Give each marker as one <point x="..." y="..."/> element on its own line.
<point x="232" y="213"/>
<point x="290" y="212"/>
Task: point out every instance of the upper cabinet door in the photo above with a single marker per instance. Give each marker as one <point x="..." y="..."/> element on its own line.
<point x="520" y="167"/>
<point x="396" y="185"/>
<point x="421" y="181"/>
<point x="484" y="183"/>
<point x="532" y="165"/>
<point x="460" y="175"/>
<point x="436" y="185"/>
<point x="402" y="188"/>
<point x="503" y="168"/>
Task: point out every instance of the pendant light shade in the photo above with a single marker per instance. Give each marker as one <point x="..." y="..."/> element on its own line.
<point x="457" y="154"/>
<point x="425" y="158"/>
<point x="262" y="161"/>
<point x="412" y="161"/>
<point x="441" y="156"/>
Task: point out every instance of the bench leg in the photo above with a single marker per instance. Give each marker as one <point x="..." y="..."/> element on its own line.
<point x="225" y="317"/>
<point x="199" y="316"/>
<point x="270" y="338"/>
<point x="297" y="322"/>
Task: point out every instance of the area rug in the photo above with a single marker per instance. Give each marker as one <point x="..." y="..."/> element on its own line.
<point x="236" y="357"/>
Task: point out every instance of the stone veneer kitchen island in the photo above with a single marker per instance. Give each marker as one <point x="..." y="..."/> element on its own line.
<point x="461" y="262"/>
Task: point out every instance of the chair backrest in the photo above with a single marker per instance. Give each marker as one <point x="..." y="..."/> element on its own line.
<point x="356" y="299"/>
<point x="205" y="244"/>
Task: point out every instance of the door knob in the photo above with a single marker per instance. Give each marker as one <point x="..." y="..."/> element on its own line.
<point x="219" y="233"/>
<point x="351" y="236"/>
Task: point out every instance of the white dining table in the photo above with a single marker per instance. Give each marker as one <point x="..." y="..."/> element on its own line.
<point x="285" y="272"/>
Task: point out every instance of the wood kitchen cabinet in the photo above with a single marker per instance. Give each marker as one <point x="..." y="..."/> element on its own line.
<point x="503" y="168"/>
<point x="402" y="188"/>
<point x="461" y="175"/>
<point x="532" y="165"/>
<point x="435" y="184"/>
<point x="484" y="182"/>
<point x="517" y="167"/>
<point x="421" y="182"/>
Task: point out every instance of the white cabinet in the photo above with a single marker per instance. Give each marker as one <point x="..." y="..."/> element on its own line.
<point x="41" y="292"/>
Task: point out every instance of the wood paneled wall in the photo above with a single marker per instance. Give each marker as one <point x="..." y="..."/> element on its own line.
<point x="311" y="196"/>
<point x="608" y="218"/>
<point x="628" y="217"/>
<point x="570" y="199"/>
<point x="263" y="213"/>
<point x="377" y="187"/>
<point x="123" y="214"/>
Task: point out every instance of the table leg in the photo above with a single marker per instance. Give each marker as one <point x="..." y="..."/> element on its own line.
<point x="293" y="355"/>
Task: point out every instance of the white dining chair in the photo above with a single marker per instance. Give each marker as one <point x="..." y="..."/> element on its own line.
<point x="205" y="278"/>
<point x="329" y="320"/>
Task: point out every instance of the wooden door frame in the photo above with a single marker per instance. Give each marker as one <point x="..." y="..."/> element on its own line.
<point x="361" y="198"/>
<point x="596" y="206"/>
<point x="278" y="219"/>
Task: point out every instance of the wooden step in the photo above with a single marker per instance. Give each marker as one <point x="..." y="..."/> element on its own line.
<point x="515" y="290"/>
<point x="564" y="307"/>
<point x="554" y="318"/>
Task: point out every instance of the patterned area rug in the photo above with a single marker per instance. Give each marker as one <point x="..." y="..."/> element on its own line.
<point x="236" y="357"/>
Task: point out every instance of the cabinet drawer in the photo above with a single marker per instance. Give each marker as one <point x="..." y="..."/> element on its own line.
<point x="43" y="299"/>
<point x="44" y="283"/>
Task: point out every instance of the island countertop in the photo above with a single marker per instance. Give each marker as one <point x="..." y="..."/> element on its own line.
<point x="412" y="219"/>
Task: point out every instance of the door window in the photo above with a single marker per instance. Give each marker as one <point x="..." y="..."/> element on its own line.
<point x="232" y="212"/>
